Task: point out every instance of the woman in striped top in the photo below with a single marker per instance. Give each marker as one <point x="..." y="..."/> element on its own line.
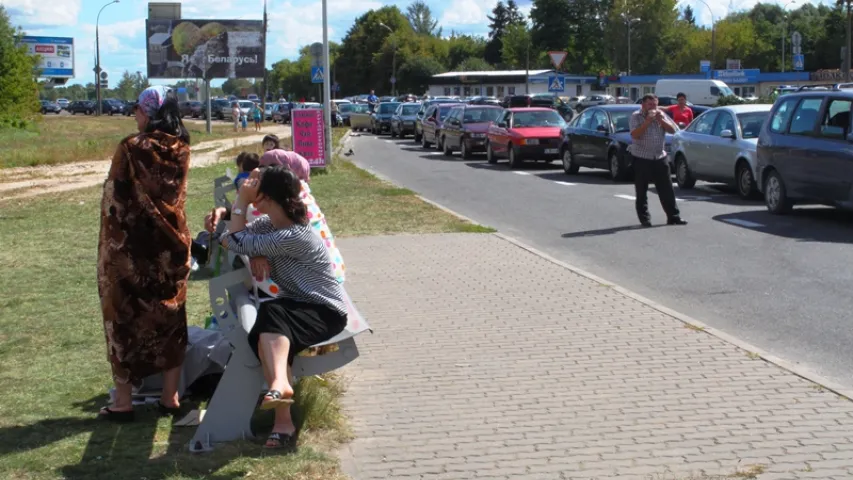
<point x="309" y="308"/>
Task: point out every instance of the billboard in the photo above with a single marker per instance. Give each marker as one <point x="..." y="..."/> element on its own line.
<point x="309" y="135"/>
<point x="56" y="55"/>
<point x="205" y="48"/>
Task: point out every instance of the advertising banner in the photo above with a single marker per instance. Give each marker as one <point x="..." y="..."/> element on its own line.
<point x="56" y="55"/>
<point x="205" y="48"/>
<point x="308" y="135"/>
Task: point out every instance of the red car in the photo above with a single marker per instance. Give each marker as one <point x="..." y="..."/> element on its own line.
<point x="525" y="134"/>
<point x="465" y="128"/>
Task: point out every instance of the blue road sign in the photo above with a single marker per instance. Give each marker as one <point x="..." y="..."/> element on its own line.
<point x="337" y="87"/>
<point x="704" y="66"/>
<point x="799" y="62"/>
<point x="556" y="84"/>
<point x="317" y="75"/>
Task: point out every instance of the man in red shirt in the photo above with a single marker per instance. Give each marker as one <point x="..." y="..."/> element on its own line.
<point x="682" y="115"/>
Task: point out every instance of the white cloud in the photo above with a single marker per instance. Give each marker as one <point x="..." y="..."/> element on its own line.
<point x="294" y="26"/>
<point x="466" y="13"/>
<point x="40" y="13"/>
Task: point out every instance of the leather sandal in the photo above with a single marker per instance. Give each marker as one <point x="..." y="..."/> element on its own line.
<point x="273" y="399"/>
<point x="110" y="415"/>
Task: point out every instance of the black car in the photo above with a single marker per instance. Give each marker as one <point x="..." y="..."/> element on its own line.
<point x="50" y="107"/>
<point x="403" y="121"/>
<point x="804" y="151"/>
<point x="599" y="138"/>
<point x="129" y="108"/>
<point x="546" y="100"/>
<point x="86" y="107"/>
<point x="381" y="118"/>
<point x="419" y="128"/>
<point x="667" y="101"/>
<point x="112" y="107"/>
<point x="484" y="101"/>
<point x="217" y="108"/>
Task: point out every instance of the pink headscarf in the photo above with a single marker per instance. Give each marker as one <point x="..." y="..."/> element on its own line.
<point x="294" y="161"/>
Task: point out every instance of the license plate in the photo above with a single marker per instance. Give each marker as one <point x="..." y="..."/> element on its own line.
<point x="550" y="151"/>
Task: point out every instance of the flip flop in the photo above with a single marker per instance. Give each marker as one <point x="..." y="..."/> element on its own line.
<point x="279" y="440"/>
<point x="275" y="400"/>
<point x="165" y="411"/>
<point x="109" y="415"/>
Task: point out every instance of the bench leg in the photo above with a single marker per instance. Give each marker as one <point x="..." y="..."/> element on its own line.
<point x="230" y="411"/>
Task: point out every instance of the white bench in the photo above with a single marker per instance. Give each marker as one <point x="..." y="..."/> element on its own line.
<point x="230" y="410"/>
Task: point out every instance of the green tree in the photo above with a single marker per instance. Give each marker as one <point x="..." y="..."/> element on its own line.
<point x="653" y="34"/>
<point x="416" y="74"/>
<point x="18" y="87"/>
<point x="688" y="15"/>
<point x="498" y="22"/>
<point x="514" y="15"/>
<point x="235" y="86"/>
<point x="126" y="87"/>
<point x="421" y="19"/>
<point x="516" y="45"/>
<point x="552" y="24"/>
<point x="474" y="64"/>
<point x="463" y="47"/>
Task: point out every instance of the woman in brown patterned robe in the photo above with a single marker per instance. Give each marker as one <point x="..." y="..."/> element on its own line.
<point x="144" y="254"/>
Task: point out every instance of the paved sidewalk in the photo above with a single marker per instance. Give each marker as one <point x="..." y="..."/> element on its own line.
<point x="490" y="362"/>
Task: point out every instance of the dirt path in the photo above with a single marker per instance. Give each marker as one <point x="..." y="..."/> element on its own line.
<point x="31" y="181"/>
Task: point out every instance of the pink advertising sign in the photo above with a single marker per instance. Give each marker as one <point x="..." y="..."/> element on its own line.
<point x="308" y="135"/>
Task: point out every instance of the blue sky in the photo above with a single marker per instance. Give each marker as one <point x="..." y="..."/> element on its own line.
<point x="293" y="23"/>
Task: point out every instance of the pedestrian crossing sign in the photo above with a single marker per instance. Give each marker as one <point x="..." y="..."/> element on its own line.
<point x="317" y="75"/>
<point x="556" y="84"/>
<point x="799" y="62"/>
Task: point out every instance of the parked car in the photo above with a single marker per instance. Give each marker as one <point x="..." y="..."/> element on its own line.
<point x="346" y="109"/>
<point x="361" y="119"/>
<point x="668" y="101"/>
<point x="433" y="122"/>
<point x="595" y="100"/>
<point x="484" y="101"/>
<point x="599" y="138"/>
<point x="804" y="151"/>
<point x="190" y="109"/>
<point x="552" y="101"/>
<point x="111" y="107"/>
<point x="466" y="127"/>
<point x="387" y="99"/>
<point x="525" y="134"/>
<point x="420" y="116"/>
<point x="244" y="105"/>
<point x="217" y="109"/>
<point x="129" y="108"/>
<point x="63" y="103"/>
<point x="50" y="107"/>
<point x="720" y="146"/>
<point x="403" y="121"/>
<point x="700" y="91"/>
<point x="86" y="107"/>
<point x="268" y="109"/>
<point x="382" y="117"/>
<point x="575" y="101"/>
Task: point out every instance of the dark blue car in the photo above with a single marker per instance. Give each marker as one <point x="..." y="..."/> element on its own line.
<point x="599" y="138"/>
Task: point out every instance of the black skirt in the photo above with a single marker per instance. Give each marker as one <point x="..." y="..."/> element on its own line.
<point x="304" y="324"/>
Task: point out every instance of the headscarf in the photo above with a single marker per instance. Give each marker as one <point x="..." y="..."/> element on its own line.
<point x="294" y="161"/>
<point x="151" y="99"/>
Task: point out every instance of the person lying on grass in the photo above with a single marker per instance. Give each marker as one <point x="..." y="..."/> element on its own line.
<point x="310" y="306"/>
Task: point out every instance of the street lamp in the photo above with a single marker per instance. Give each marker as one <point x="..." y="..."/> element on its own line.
<point x="785" y="30"/>
<point x="393" y="60"/>
<point x="629" y="21"/>
<point x="713" y="34"/>
<point x="98" y="56"/>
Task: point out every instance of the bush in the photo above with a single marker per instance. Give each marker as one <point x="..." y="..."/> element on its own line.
<point x="19" y="103"/>
<point x="733" y="100"/>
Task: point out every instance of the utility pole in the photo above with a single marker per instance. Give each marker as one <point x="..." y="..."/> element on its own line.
<point x="98" y="56"/>
<point x="264" y="89"/>
<point x="847" y="43"/>
<point x="527" y="68"/>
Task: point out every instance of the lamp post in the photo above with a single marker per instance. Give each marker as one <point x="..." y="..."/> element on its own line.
<point x="785" y="30"/>
<point x="629" y="21"/>
<point x="98" y="56"/>
<point x="713" y="34"/>
<point x="393" y="60"/>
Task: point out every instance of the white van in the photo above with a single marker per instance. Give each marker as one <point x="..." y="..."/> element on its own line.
<point x="699" y="92"/>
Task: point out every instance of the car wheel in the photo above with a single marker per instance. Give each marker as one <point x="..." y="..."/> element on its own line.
<point x="463" y="150"/>
<point x="447" y="149"/>
<point x="490" y="154"/>
<point x="746" y="187"/>
<point x="776" y="195"/>
<point x="617" y="173"/>
<point x="682" y="173"/>
<point x="514" y="160"/>
<point x="438" y="143"/>
<point x="569" y="162"/>
<point x="393" y="133"/>
<point x="418" y="137"/>
<point x="424" y="143"/>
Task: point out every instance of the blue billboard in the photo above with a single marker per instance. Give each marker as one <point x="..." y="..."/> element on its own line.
<point x="56" y="55"/>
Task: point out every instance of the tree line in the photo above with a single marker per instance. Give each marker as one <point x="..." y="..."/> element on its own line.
<point x="664" y="39"/>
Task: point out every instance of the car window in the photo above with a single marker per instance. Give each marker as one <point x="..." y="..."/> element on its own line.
<point x="751" y="123"/>
<point x="410" y="109"/>
<point x="585" y="120"/>
<point x="388" y="108"/>
<point x="715" y="91"/>
<point x="481" y="115"/>
<point x="599" y="119"/>
<point x="705" y="123"/>
<point x="805" y="116"/>
<point x="836" y="120"/>
<point x="548" y="118"/>
<point x="621" y="120"/>
<point x="399" y="110"/>
<point x="724" y="122"/>
<point x="782" y="115"/>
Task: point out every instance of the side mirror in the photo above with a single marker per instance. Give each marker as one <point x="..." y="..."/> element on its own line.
<point x="602" y="129"/>
<point x="682" y="125"/>
<point x="727" y="134"/>
<point x="502" y="124"/>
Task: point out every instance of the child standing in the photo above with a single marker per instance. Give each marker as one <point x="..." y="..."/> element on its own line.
<point x="244" y="120"/>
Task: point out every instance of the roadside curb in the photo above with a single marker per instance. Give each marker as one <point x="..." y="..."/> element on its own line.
<point x="695" y="324"/>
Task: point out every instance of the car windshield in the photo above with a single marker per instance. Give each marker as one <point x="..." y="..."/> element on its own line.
<point x="537" y="119"/>
<point x="443" y="111"/>
<point x="360" y="108"/>
<point x="727" y="91"/>
<point x="347" y="107"/>
<point x="246" y="104"/>
<point x="621" y="120"/>
<point x="410" y="109"/>
<point x="751" y="123"/>
<point x="388" y="108"/>
<point x="481" y="115"/>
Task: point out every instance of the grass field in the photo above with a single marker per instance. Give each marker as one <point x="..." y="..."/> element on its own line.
<point x="68" y="139"/>
<point x="54" y="373"/>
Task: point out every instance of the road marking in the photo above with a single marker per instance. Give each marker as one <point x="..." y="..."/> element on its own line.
<point x="695" y="198"/>
<point x="626" y="197"/>
<point x="743" y="223"/>
<point x="521" y="173"/>
<point x="568" y="184"/>
<point x="388" y="141"/>
<point x="435" y="153"/>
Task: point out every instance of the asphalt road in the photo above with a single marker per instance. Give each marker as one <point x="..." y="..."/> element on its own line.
<point x="781" y="283"/>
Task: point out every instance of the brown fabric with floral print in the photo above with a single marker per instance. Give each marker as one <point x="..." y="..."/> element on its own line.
<point x="144" y="256"/>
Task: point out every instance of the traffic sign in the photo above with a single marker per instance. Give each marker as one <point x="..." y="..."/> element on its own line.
<point x="704" y="66"/>
<point x="557" y="58"/>
<point x="104" y="75"/>
<point x="796" y="39"/>
<point x="317" y="74"/>
<point x="556" y="84"/>
<point x="799" y="62"/>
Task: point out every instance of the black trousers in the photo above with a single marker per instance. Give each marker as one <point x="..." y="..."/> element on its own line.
<point x="656" y="172"/>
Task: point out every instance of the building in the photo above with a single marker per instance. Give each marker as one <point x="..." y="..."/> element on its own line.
<point x="508" y="82"/>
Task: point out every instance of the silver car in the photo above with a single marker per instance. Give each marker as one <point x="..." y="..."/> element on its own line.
<point x="720" y="146"/>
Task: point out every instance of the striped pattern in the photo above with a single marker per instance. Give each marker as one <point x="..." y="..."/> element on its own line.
<point x="651" y="145"/>
<point x="299" y="261"/>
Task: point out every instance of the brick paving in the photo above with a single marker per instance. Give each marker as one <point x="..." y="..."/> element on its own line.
<point x="490" y="362"/>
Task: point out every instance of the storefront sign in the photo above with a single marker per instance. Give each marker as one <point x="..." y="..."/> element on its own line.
<point x="749" y="75"/>
<point x="828" y="76"/>
<point x="308" y="135"/>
